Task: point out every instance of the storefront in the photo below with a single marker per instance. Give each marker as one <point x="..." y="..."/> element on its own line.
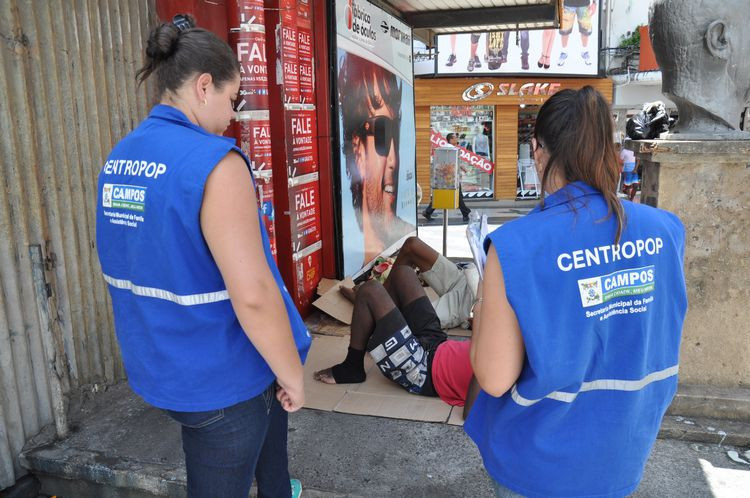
<point x="493" y="119"/>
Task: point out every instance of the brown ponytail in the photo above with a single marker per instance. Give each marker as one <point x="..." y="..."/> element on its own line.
<point x="576" y="129"/>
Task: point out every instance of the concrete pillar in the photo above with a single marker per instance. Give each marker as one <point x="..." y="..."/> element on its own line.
<point x="707" y="184"/>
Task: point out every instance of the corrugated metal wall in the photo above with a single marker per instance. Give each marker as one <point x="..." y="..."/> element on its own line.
<point x="67" y="94"/>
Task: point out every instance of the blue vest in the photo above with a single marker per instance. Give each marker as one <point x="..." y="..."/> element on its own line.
<point x="182" y="345"/>
<point x="601" y="325"/>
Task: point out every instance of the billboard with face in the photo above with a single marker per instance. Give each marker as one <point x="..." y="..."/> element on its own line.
<point x="375" y="98"/>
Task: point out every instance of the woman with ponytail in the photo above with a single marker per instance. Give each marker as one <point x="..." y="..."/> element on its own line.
<point x="207" y="330"/>
<point x="578" y="320"/>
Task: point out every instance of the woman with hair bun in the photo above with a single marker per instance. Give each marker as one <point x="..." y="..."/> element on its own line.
<point x="207" y="330"/>
<point x="578" y="321"/>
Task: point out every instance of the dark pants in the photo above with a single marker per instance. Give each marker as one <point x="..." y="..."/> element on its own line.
<point x="524" y="44"/>
<point x="461" y="205"/>
<point x="225" y="448"/>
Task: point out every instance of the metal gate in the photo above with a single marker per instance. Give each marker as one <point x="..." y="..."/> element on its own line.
<point x="67" y="94"/>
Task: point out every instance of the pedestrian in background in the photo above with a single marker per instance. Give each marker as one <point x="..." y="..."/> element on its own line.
<point x="631" y="181"/>
<point x="578" y="320"/>
<point x="207" y="330"/>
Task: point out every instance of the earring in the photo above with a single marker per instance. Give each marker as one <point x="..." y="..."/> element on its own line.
<point x="205" y="102"/>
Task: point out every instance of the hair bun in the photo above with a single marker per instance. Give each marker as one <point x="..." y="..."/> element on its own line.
<point x="163" y="39"/>
<point x="162" y="42"/>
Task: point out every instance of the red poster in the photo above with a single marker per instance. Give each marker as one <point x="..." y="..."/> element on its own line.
<point x="304" y="215"/>
<point x="241" y="13"/>
<point x="307" y="268"/>
<point x="305" y="50"/>
<point x="289" y="51"/>
<point x="302" y="146"/>
<point x="264" y="191"/>
<point x="250" y="47"/>
<point x="254" y="132"/>
<point x="306" y="79"/>
<point x="304" y="16"/>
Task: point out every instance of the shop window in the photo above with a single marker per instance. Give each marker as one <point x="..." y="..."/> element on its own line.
<point x="528" y="186"/>
<point x="473" y="128"/>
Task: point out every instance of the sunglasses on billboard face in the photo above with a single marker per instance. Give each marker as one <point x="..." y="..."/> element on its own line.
<point x="383" y="129"/>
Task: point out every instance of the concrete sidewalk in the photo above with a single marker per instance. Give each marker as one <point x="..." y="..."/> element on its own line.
<point x="121" y="447"/>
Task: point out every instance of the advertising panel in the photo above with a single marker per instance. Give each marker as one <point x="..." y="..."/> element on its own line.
<point x="305" y="52"/>
<point x="249" y="43"/>
<point x="302" y="145"/>
<point x="254" y="132"/>
<point x="304" y="214"/>
<point x="375" y="97"/>
<point x="252" y="127"/>
<point x="570" y="50"/>
<point x="244" y="13"/>
<point x="307" y="265"/>
<point x="290" y="51"/>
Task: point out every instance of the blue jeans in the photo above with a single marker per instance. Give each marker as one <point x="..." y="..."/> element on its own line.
<point x="225" y="448"/>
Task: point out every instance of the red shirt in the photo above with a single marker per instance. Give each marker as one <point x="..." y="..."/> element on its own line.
<point x="451" y="371"/>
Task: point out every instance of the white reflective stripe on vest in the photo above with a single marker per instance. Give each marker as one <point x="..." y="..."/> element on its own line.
<point x="599" y="385"/>
<point x="186" y="300"/>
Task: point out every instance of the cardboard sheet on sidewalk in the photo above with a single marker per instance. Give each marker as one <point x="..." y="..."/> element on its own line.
<point x="332" y="302"/>
<point x="458" y="332"/>
<point x="376" y="396"/>
<point x="457" y="416"/>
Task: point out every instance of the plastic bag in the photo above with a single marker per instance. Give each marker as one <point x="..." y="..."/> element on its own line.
<point x="650" y="123"/>
<point x="381" y="268"/>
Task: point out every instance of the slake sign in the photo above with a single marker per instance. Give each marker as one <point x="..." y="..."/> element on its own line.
<point x="479" y="91"/>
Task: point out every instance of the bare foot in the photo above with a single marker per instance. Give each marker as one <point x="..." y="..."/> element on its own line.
<point x="325" y="376"/>
<point x="344" y="374"/>
<point x="347" y="292"/>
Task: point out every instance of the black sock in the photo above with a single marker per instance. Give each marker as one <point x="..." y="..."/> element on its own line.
<point x="352" y="369"/>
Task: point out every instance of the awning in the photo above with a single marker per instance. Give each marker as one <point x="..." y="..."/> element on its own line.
<point x="430" y="17"/>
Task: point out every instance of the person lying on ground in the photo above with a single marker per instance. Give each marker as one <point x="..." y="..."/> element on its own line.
<point x="400" y="329"/>
<point x="456" y="287"/>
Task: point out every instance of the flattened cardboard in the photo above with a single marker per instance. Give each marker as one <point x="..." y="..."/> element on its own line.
<point x="458" y="332"/>
<point x="457" y="416"/>
<point x="403" y="406"/>
<point x="376" y="396"/>
<point x="325" y="285"/>
<point x="336" y="305"/>
<point x="320" y="323"/>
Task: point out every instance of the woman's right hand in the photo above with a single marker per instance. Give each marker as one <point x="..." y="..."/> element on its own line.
<point x="291" y="396"/>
